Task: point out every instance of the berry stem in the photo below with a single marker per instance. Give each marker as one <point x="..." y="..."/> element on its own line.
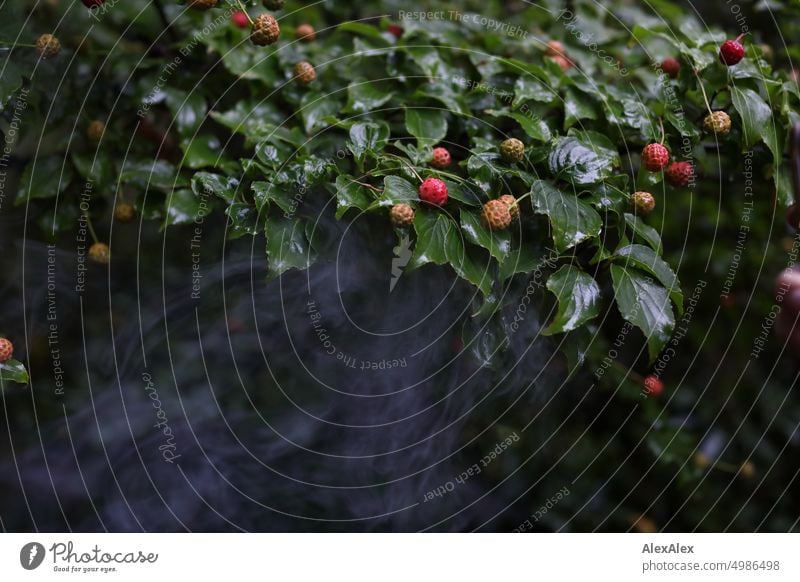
<point x="663" y="135"/>
<point x="243" y="9"/>
<point x="365" y="185"/>
<point x="408" y="164"/>
<point x="91" y="228"/>
<point x="703" y="90"/>
<point x="13" y="45"/>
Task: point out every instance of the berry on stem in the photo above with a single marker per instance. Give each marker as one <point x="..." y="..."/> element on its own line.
<point x="96" y="130"/>
<point x="6" y="350"/>
<point x="717" y="122"/>
<point x="124" y="211"/>
<point x="680" y="174"/>
<point x="305" y="72"/>
<point x="496" y="215"/>
<point x="671" y="67"/>
<point x="653" y="385"/>
<point x="643" y="202"/>
<point x="402" y="215"/>
<point x="265" y="30"/>
<point x="240" y="19"/>
<point x="100" y="253"/>
<point x="731" y="52"/>
<point x="511" y="202"/>
<point x="433" y="191"/>
<point x="555" y="47"/>
<point x="655" y="156"/>
<point x="562" y="62"/>
<point x="48" y="46"/>
<point x="441" y="158"/>
<point x="306" y="33"/>
<point x="512" y="150"/>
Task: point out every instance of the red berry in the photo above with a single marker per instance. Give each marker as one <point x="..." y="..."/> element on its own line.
<point x="653" y="385"/>
<point x="433" y="191"/>
<point x="92" y="3"/>
<point x="671" y="67"/>
<point x="6" y="350"/>
<point x="441" y="158"/>
<point x="727" y="301"/>
<point x="395" y="30"/>
<point x="680" y="174"/>
<point x="655" y="156"/>
<point x="731" y="52"/>
<point x="240" y="19"/>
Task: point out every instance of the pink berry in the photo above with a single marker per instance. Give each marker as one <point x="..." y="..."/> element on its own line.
<point x="433" y="191"/>
<point x="655" y="156"/>
<point x="441" y="158"/>
<point x="240" y="19"/>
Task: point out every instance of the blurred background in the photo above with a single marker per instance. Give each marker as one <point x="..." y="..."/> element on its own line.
<point x="248" y="405"/>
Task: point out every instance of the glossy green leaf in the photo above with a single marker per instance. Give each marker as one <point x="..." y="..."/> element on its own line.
<point x="578" y="297"/>
<point x="429" y="126"/>
<point x="573" y="220"/>
<point x="13" y="371"/>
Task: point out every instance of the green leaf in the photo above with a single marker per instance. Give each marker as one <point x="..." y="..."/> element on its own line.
<point x="97" y="169"/>
<point x="364" y="96"/>
<point x="183" y="207"/>
<point x="578" y="297"/>
<point x="577" y="106"/>
<point x="645" y="304"/>
<point x="584" y="158"/>
<point x="202" y="151"/>
<point x="11" y="80"/>
<point x="640" y="229"/>
<point x="222" y="186"/>
<point x="188" y="109"/>
<point x="470" y="264"/>
<point x="429" y="126"/>
<point x="498" y="243"/>
<point x="265" y="192"/>
<point x="156" y="174"/>
<point x="315" y="108"/>
<point x="646" y="259"/>
<point x="435" y="232"/>
<point x="287" y="246"/>
<point x="45" y="177"/>
<point x="397" y="190"/>
<point x="530" y="123"/>
<point x="367" y="137"/>
<point x="242" y="220"/>
<point x="757" y="121"/>
<point x="528" y="87"/>
<point x="349" y="194"/>
<point x="572" y="219"/>
<point x="13" y="371"/>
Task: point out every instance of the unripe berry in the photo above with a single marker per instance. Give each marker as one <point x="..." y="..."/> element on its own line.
<point x="655" y="157"/>
<point x="731" y="52"/>
<point x="273" y="4"/>
<point x="717" y="122"/>
<point x="433" y="191"/>
<point x="402" y="215"/>
<point x="265" y="30"/>
<point x="96" y="130"/>
<point x="512" y="150"/>
<point x="100" y="253"/>
<point x="643" y="202"/>
<point x="6" y="350"/>
<point x="555" y="47"/>
<point x="511" y="202"/>
<point x="563" y="62"/>
<point x="240" y="20"/>
<point x="496" y="215"/>
<point x="305" y="32"/>
<point x="671" y="67"/>
<point x="441" y="158"/>
<point x="305" y="72"/>
<point x="653" y="385"/>
<point x="48" y="46"/>
<point x="124" y="212"/>
<point x="202" y="4"/>
<point x="680" y="174"/>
